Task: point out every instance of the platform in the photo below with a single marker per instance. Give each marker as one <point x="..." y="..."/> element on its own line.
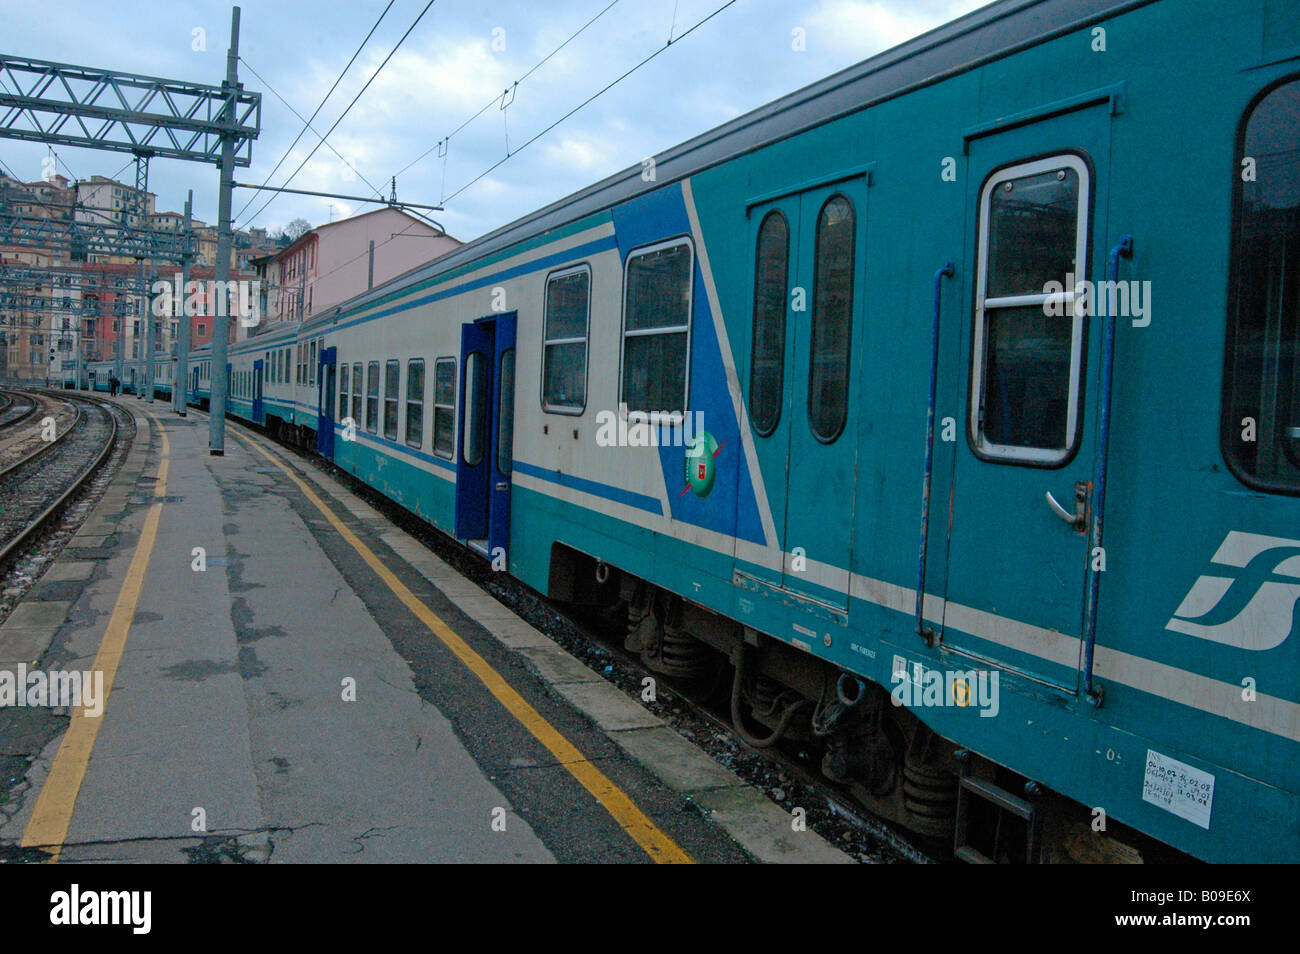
<point x="228" y="733"/>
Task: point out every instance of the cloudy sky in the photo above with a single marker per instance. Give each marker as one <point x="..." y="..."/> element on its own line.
<point x="460" y="56"/>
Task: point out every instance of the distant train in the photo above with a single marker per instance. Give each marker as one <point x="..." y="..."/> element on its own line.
<point x="99" y="373"/>
<point x="887" y="295"/>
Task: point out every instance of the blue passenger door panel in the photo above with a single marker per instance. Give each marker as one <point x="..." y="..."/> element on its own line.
<point x="1016" y="568"/>
<point x="810" y="480"/>
<point x="257" y="392"/>
<point x="473" y="466"/>
<point x="772" y="448"/>
<point x="501" y="450"/>
<point x="325" y="385"/>
<point x="822" y="475"/>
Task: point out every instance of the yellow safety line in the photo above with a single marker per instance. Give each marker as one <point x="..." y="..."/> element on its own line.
<point x="659" y="846"/>
<point x="52" y="814"/>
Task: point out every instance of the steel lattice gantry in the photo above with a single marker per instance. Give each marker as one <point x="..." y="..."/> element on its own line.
<point x="59" y="104"/>
<point x="81" y="238"/>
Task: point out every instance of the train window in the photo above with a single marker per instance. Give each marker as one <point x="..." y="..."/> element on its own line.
<point x="1260" y="431"/>
<point x="832" y="319"/>
<point x="415" y="402"/>
<point x="475" y="410"/>
<point x="392" y="380"/>
<point x="564" y="348"/>
<point x="356" y="394"/>
<point x="444" y="406"/>
<point x="297" y="365"/>
<point x="372" y="397"/>
<point x="343" y="391"/>
<point x="656" y="327"/>
<point x="311" y="365"/>
<point x="767" y="368"/>
<point x="506" y="412"/>
<point x="1026" y="380"/>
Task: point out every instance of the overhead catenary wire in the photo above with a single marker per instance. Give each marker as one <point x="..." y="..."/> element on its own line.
<point x="498" y="98"/>
<point x="343" y="115"/>
<point x="490" y="169"/>
<point x="329" y="146"/>
<point x="307" y="122"/>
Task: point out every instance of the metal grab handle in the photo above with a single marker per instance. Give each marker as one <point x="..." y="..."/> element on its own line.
<point x="1076" y="519"/>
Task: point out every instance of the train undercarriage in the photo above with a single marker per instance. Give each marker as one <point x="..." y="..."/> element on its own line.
<point x="949" y="800"/>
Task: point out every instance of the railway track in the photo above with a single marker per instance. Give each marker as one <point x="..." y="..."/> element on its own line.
<point x="40" y="473"/>
<point x="18" y="406"/>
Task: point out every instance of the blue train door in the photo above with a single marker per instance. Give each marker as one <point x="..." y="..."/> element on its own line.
<point x="485" y="458"/>
<point x="1022" y="478"/>
<point x="257" y="391"/>
<point x="194" y="385"/>
<point x="813" y="244"/>
<point x="325" y="387"/>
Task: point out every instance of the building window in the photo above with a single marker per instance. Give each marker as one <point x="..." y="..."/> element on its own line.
<point x="415" y="402"/>
<point x="444" y="407"/>
<point x="767" y="354"/>
<point x="656" y="327"/>
<point x="372" y="397"/>
<point x="392" y="382"/>
<point x="564" y="349"/>
<point x="832" y="319"/>
<point x="1261" y="401"/>
<point x="1026" y="376"/>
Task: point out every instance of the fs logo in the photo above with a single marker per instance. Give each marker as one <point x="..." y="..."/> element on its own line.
<point x="1255" y="606"/>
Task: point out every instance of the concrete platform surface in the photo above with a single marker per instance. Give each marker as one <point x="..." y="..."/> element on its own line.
<point x="273" y="696"/>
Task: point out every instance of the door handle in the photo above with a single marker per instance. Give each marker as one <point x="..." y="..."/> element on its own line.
<point x="1078" y="520"/>
<point x="502" y="485"/>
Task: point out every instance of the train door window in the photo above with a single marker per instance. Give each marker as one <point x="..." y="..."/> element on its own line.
<point x="311" y="365"/>
<point x="771" y="276"/>
<point x="372" y="397"/>
<point x="356" y="394"/>
<point x="476" y="412"/>
<point x="392" y="380"/>
<point x="657" y="290"/>
<point x="506" y="412"/>
<point x="444" y="407"/>
<point x="564" y="348"/>
<point x="297" y="366"/>
<point x="1026" y="376"/>
<point x="415" y="402"/>
<point x="832" y="319"/>
<point x="343" y="391"/>
<point x="1261" y="401"/>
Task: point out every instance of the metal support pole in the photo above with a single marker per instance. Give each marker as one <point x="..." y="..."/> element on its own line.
<point x="221" y="321"/>
<point x="143" y="287"/>
<point x="149" y="343"/>
<point x="181" y="385"/>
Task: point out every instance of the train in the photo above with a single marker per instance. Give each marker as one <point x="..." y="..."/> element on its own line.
<point x="944" y="413"/>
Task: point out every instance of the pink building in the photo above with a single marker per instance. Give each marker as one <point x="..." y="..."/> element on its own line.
<point x="337" y="261"/>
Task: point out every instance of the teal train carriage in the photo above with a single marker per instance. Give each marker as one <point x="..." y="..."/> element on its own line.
<point x="949" y="408"/>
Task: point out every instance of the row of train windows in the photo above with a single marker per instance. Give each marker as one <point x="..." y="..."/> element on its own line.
<point x="359" y="398"/>
<point x="656" y="332"/>
<point x="657" y="296"/>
